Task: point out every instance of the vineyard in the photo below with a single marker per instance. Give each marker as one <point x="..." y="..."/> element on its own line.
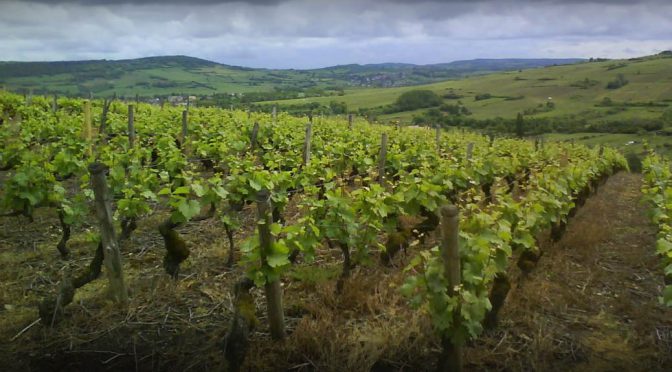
<point x="221" y="232"/>
<point x="657" y="190"/>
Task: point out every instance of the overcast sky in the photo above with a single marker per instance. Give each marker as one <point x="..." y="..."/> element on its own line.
<point x="306" y="34"/>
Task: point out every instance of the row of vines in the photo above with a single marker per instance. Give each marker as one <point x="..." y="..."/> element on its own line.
<point x="657" y="191"/>
<point x="356" y="187"/>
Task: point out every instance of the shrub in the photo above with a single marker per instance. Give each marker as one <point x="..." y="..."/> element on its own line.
<point x="618" y="82"/>
<point x="482" y="96"/>
<point x="416" y="99"/>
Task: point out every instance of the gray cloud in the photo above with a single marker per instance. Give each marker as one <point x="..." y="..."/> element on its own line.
<point x="304" y="33"/>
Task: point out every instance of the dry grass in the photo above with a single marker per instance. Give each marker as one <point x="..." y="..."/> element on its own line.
<point x="589" y="305"/>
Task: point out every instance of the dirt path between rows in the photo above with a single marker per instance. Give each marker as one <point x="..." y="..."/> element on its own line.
<point x="591" y="303"/>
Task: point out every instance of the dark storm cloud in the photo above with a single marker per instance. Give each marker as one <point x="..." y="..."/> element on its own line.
<point x="156" y="2"/>
<point x="309" y="33"/>
<point x="275" y="2"/>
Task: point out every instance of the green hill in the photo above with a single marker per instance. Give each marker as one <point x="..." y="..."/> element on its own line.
<point x="581" y="91"/>
<point x="187" y="75"/>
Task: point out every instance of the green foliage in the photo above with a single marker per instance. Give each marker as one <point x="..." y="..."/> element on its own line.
<point x="619" y="82"/>
<point x="666" y="117"/>
<point x="340" y="204"/>
<point x="416" y="99"/>
<point x="657" y="189"/>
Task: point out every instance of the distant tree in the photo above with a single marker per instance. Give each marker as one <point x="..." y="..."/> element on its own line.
<point x="666" y="117"/>
<point x="415" y="99"/>
<point x="520" y="129"/>
<point x="618" y="82"/>
<point x="338" y="108"/>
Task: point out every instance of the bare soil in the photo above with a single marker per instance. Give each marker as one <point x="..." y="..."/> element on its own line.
<point x="589" y="305"/>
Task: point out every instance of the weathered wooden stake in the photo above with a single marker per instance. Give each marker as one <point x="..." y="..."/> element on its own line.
<point x="253" y="138"/>
<point x="276" y="317"/>
<point x="275" y="114"/>
<point x="382" y="159"/>
<point x="131" y="127"/>
<point x="437" y="139"/>
<point x="185" y="118"/>
<point x="470" y="150"/>
<point x="349" y="121"/>
<point x="451" y="356"/>
<point x="87" y="131"/>
<point x="29" y="98"/>
<point x="54" y="104"/>
<point x="306" y="144"/>
<point x="112" y="256"/>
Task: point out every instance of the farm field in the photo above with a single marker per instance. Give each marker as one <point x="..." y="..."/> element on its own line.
<point x="182" y="75"/>
<point x="248" y="241"/>
<point x="577" y="90"/>
<point x="625" y="143"/>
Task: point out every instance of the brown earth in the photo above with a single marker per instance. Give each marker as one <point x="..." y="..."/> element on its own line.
<point x="589" y="305"/>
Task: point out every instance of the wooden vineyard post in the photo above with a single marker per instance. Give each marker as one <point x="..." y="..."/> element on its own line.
<point x="276" y="317"/>
<point x="111" y="254"/>
<point x="564" y="158"/>
<point x="253" y="137"/>
<point x="470" y="150"/>
<point x="54" y="104"/>
<point x="87" y="131"/>
<point x="275" y="114"/>
<point x="451" y="355"/>
<point x="131" y="127"/>
<point x="382" y="159"/>
<point x="349" y="121"/>
<point x="437" y="139"/>
<point x="29" y="97"/>
<point x="185" y="123"/>
<point x="306" y="144"/>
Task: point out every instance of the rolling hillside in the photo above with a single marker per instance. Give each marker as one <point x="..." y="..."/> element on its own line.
<point x="187" y="75"/>
<point x="577" y="91"/>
